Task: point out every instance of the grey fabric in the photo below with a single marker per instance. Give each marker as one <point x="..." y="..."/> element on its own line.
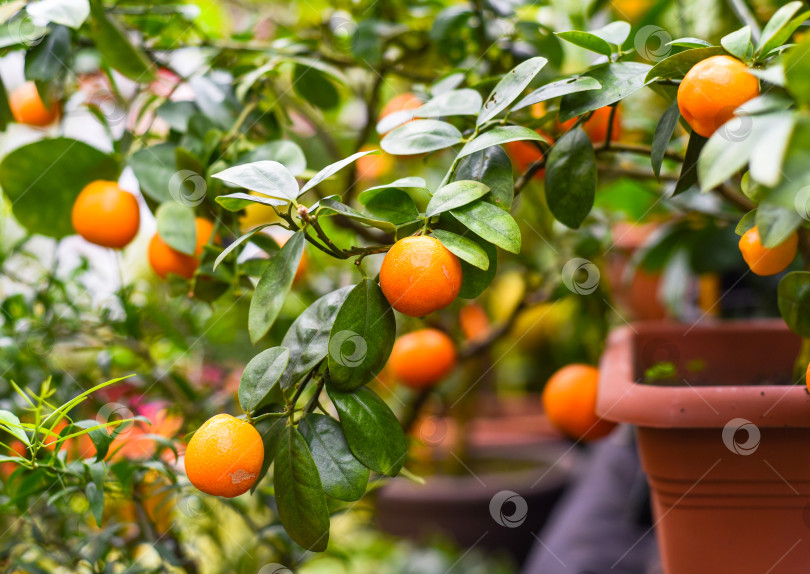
<point x="602" y="524"/>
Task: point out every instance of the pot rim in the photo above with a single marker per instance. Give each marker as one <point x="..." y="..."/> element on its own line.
<point x="622" y="397"/>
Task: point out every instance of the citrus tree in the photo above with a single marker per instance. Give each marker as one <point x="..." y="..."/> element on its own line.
<point x="221" y="140"/>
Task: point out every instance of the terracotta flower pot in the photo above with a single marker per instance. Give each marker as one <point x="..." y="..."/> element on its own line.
<point x="726" y="452"/>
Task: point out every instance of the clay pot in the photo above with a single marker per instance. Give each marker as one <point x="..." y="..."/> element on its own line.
<point x="725" y="454"/>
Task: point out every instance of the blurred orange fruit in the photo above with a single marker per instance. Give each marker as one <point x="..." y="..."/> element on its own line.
<point x="422" y="358"/>
<point x="165" y="259"/>
<point x="569" y="399"/>
<point x="27" y="106"/>
<point x="106" y="215"/>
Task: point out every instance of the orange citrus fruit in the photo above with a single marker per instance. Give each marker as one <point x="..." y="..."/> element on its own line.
<point x="767" y="260"/>
<point x="422" y="358"/>
<point x="400" y="103"/>
<point x="569" y="399"/>
<point x="807" y="378"/>
<point x="27" y="106"/>
<point x="225" y="456"/>
<point x="419" y="275"/>
<point x="523" y="153"/>
<point x="375" y="165"/>
<point x="165" y="259"/>
<point x="596" y="126"/>
<point x="106" y="215"/>
<point x="712" y="89"/>
<point x="474" y="322"/>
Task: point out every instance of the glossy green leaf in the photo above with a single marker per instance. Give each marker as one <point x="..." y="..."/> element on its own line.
<point x="176" y="226"/>
<point x="689" y="171"/>
<point x="588" y="41"/>
<point x="510" y="87"/>
<point x="464" y="102"/>
<point x="287" y="153"/>
<point x="12" y="424"/>
<point x="70" y="13"/>
<point x="490" y="223"/>
<point x="154" y="166"/>
<point x="314" y="86"/>
<point x="793" y="297"/>
<point x="101" y="437"/>
<point x="332" y="169"/>
<point x="454" y="195"/>
<point x="663" y="133"/>
<point x="392" y="205"/>
<point x="239" y="201"/>
<point x="557" y="89"/>
<point x="689" y="43"/>
<point x="677" y="65"/>
<point x="775" y="222"/>
<point x="615" y="33"/>
<point x="342" y="475"/>
<point x="618" y="80"/>
<point x="268" y="177"/>
<point x="42" y="180"/>
<point x="299" y="493"/>
<point x="95" y="496"/>
<point x="490" y="166"/>
<point x="48" y="59"/>
<point x="464" y="248"/>
<point x="771" y="147"/>
<point x="330" y="206"/>
<point x="780" y="27"/>
<point x="374" y="434"/>
<point x="420" y="136"/>
<point x="308" y="336"/>
<point x="499" y="136"/>
<point x="571" y="178"/>
<point x="797" y="71"/>
<point x="273" y="287"/>
<point x="115" y="48"/>
<point x="361" y="337"/>
<point x="738" y="43"/>
<point x="747" y="222"/>
<point x="260" y="376"/>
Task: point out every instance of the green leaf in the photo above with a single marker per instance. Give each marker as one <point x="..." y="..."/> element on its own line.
<point x="115" y="49"/>
<point x="571" y="178"/>
<point x="498" y="136"/>
<point x="273" y="287"/>
<point x="70" y="13"/>
<point x="42" y="180"/>
<point x="677" y="65"/>
<point x="308" y="336"/>
<point x="361" y="337"/>
<point x="775" y="222"/>
<point x="780" y="27"/>
<point x="615" y="33"/>
<point x="474" y="281"/>
<point x="95" y="496"/>
<point x="747" y="222"/>
<point x="420" y="136"/>
<point x="509" y="88"/>
<point x="455" y="195"/>
<point x="689" y="172"/>
<point x="154" y="166"/>
<point x="330" y="206"/>
<point x="374" y="434"/>
<point x="176" y="226"/>
<point x="342" y="475"/>
<point x="689" y="43"/>
<point x="618" y="80"/>
<point x="332" y="169"/>
<point x="47" y="60"/>
<point x="313" y="86"/>
<point x="6" y="117"/>
<point x="771" y="148"/>
<point x="287" y="153"/>
<point x="268" y="177"/>
<point x="556" y="89"/>
<point x="490" y="166"/>
<point x="490" y="223"/>
<point x="663" y="133"/>
<point x="793" y="297"/>
<point x="271" y="430"/>
<point x="465" y="102"/>
<point x="100" y="436"/>
<point x="299" y="493"/>
<point x="12" y="424"/>
<point x="239" y="201"/>
<point x="738" y="43"/>
<point x="588" y="41"/>
<point x="797" y="71"/>
<point x="260" y="376"/>
<point x="404" y="182"/>
<point x="390" y="204"/>
<point x="463" y="248"/>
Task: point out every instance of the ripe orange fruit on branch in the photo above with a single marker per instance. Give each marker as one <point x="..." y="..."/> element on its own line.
<point x="712" y="90"/>
<point x="596" y="126"/>
<point x="569" y="399"/>
<point x="27" y="106"/>
<point x="474" y="322"/>
<point x="767" y="260"/>
<point x="225" y="456"/>
<point x="419" y="275"/>
<point x="106" y="215"/>
<point x="422" y="358"/>
<point x="165" y="259"/>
